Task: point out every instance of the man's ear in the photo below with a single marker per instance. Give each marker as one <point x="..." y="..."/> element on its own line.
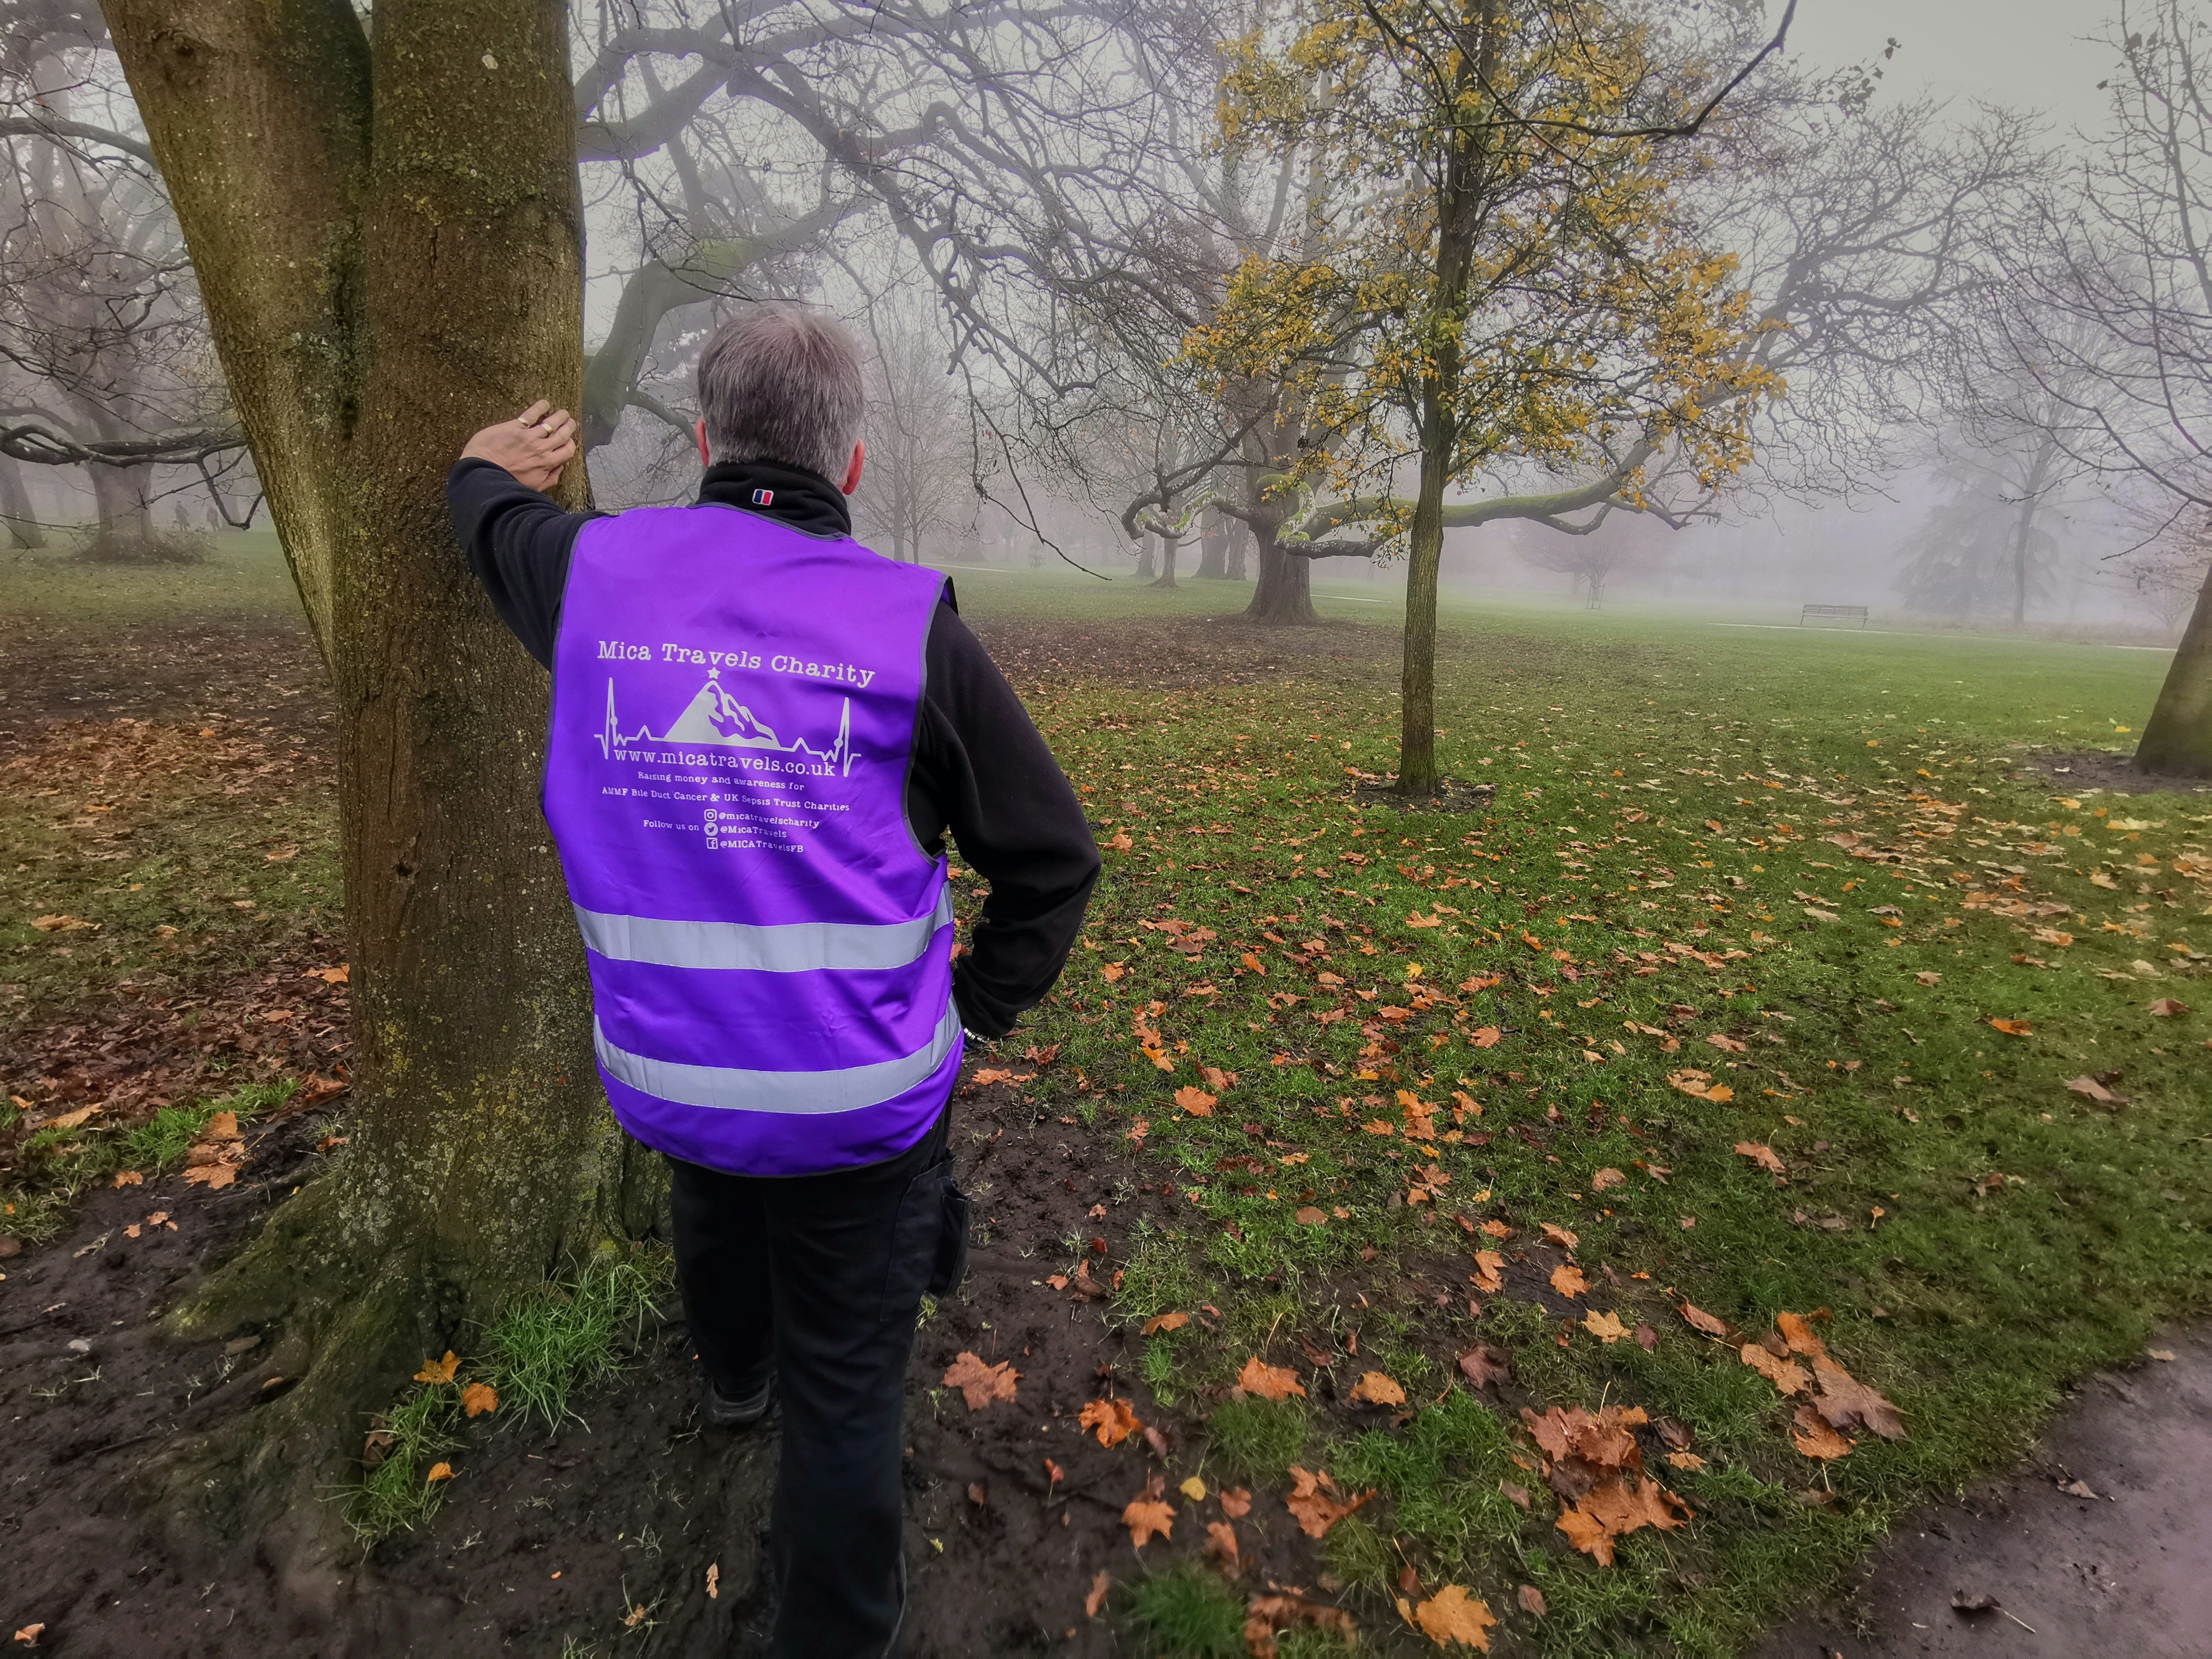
<point x="705" y="458"/>
<point x="852" y="473"/>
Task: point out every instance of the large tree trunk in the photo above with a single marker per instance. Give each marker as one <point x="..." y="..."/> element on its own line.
<point x="389" y="241"/>
<point x="1212" y="546"/>
<point x="24" y="529"/>
<point x="120" y="497"/>
<point x="1169" y="546"/>
<point x="2178" y="738"/>
<point x="1145" y="568"/>
<point x="1283" y="597"/>
<point x="1240" y="542"/>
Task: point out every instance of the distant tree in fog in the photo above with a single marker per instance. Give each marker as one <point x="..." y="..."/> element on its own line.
<point x="2108" y="288"/>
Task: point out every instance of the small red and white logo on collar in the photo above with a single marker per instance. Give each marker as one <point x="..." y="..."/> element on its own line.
<point x="763" y="498"/>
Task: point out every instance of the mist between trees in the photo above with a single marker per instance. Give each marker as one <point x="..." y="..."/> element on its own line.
<point x="1609" y="293"/>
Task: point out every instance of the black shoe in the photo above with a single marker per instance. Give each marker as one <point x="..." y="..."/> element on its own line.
<point x="739" y="1410"/>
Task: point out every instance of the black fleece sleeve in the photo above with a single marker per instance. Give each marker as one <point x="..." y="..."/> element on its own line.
<point x="982" y="772"/>
<point x="518" y="543"/>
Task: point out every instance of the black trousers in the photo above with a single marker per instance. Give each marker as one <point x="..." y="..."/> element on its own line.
<point x="819" y="1279"/>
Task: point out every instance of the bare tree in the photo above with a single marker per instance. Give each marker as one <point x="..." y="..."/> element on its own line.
<point x="2108" y="309"/>
<point x="919" y="479"/>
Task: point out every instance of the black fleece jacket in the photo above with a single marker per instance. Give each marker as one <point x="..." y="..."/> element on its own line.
<point x="981" y="771"/>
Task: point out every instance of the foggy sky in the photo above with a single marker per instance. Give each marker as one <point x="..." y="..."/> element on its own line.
<point x="2029" y="54"/>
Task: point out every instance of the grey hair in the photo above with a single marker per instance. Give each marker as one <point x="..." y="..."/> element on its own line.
<point x="778" y="382"/>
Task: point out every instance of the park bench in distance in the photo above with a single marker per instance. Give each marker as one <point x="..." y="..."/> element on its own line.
<point x="1838" y="613"/>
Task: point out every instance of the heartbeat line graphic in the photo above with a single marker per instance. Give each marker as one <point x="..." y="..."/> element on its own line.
<point x="715" y="718"/>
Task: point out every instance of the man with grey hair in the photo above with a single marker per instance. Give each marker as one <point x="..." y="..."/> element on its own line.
<point x="761" y="734"/>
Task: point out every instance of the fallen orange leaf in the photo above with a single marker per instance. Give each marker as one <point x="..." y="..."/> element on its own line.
<point x="1701" y="1320"/>
<point x="1452" y="1615"/>
<point x="1605" y="1326"/>
<point x="1112" y="1418"/>
<point x="1568" y="1280"/>
<point x="1815" y="1438"/>
<point x="1607" y="1179"/>
<point x="1560" y="1235"/>
<point x="1484" y="1036"/>
<point x="478" y="1398"/>
<point x="981" y="1383"/>
<point x="1221" y="1546"/>
<point x="1374" y="1389"/>
<point x="1147" y="1518"/>
<point x="1614" y="1509"/>
<point x="1762" y="1155"/>
<point x="438" y="1472"/>
<point x="1237" y="1502"/>
<point x="2013" y="1027"/>
<point x="1786" y="1375"/>
<point x="1270" y="1382"/>
<point x="1166" y="1321"/>
<point x="1318" y="1503"/>
<point x="1487" y="1265"/>
<point x="1196" y="1102"/>
<point x="1099" y="1585"/>
<point x="438" y="1371"/>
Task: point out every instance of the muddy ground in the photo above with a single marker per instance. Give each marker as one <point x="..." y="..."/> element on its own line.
<point x="599" y="1539"/>
<point x="2101" y="1544"/>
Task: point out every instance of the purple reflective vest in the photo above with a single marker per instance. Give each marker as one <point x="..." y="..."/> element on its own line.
<point x="770" y="948"/>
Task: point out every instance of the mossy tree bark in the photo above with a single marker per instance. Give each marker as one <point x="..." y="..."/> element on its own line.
<point x="388" y="235"/>
<point x="2177" y="740"/>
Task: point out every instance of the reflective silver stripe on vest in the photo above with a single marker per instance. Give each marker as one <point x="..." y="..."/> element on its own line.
<point x="796" y="947"/>
<point x="808" y="1092"/>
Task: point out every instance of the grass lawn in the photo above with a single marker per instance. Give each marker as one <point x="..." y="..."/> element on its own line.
<point x="1714" y="987"/>
<point x="1700" y="1012"/>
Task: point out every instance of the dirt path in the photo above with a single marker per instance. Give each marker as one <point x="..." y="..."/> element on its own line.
<point x="2128" y="1571"/>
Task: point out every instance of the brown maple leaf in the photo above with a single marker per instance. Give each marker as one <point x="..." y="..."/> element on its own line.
<point x="1148" y="1518"/>
<point x="1318" y="1503"/>
<point x="1485" y="1366"/>
<point x="1815" y="1438"/>
<point x="1374" y="1389"/>
<point x="1799" y="1336"/>
<point x="1097" y="1599"/>
<point x="1452" y="1615"/>
<point x="1488" y="1264"/>
<point x="1616" y="1508"/>
<point x="980" y="1383"/>
<point x="1270" y="1382"/>
<point x="1787" y="1375"/>
<point x="1237" y="1502"/>
<point x="1702" y="1321"/>
<point x="1166" y="1321"/>
<point x="1560" y="1235"/>
<point x="1112" y="1418"/>
<point x="1762" y="1155"/>
<point x="1569" y="1281"/>
<point x="1847" y="1403"/>
<point x="1605" y="1326"/>
<point x="1221" y="1548"/>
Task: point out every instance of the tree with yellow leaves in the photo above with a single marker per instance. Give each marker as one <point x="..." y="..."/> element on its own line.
<point x="1500" y="275"/>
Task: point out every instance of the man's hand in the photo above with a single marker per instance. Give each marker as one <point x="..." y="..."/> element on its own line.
<point x="534" y="445"/>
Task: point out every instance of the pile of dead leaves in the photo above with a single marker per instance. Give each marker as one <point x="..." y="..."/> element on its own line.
<point x="1594" y="1465"/>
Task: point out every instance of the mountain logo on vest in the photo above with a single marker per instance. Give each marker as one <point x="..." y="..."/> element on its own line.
<point x="715" y="718"/>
